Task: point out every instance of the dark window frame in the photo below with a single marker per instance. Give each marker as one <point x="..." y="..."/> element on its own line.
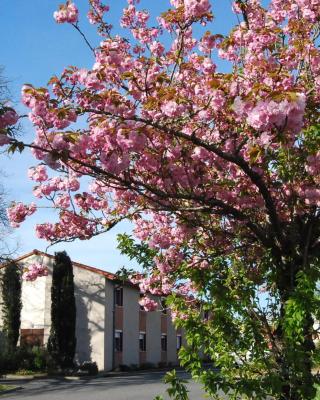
<point x="179" y="341"/>
<point x="142" y="341"/>
<point x="118" y="296"/>
<point x="164" y="342"/>
<point x="118" y="341"/>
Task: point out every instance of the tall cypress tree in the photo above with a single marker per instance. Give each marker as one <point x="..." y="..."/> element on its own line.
<point x="62" y="339"/>
<point x="10" y="286"/>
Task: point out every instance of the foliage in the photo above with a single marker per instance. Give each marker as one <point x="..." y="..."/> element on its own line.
<point x="35" y="359"/>
<point x="10" y="287"/>
<point x="141" y="252"/>
<point x="89" y="367"/>
<point x="177" y="389"/>
<point x="62" y="339"/>
<point x="217" y="170"/>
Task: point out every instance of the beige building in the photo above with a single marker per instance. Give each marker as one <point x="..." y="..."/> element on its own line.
<point x="111" y="328"/>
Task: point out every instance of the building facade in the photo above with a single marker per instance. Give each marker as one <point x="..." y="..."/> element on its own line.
<point x="111" y="327"/>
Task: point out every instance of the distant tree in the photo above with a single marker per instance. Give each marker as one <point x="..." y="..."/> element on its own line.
<point x="8" y="126"/>
<point x="10" y="287"/>
<point x="62" y="339"/>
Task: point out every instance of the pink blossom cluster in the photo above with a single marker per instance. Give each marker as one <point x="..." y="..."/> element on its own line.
<point x="4" y="139"/>
<point x="97" y="11"/>
<point x="148" y="304"/>
<point x="313" y="164"/>
<point x="18" y="212"/>
<point x="34" y="271"/>
<point x="179" y="315"/>
<point x="38" y="174"/>
<point x="70" y="225"/>
<point x="42" y="113"/>
<point x="311" y="195"/>
<point x="268" y="114"/>
<point x="196" y="8"/>
<point x="8" y="117"/>
<point x="67" y="13"/>
<point x="53" y="185"/>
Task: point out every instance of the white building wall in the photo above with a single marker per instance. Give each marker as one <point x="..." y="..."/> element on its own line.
<point x="130" y="326"/>
<point x="154" y="337"/>
<point x="172" y="341"/>
<point x="33" y="297"/>
<point x="90" y="322"/>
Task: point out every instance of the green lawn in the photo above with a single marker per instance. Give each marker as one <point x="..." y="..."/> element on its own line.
<point x="4" y="387"/>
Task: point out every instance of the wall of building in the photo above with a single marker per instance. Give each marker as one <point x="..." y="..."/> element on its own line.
<point x="172" y="341"/>
<point x="130" y="326"/>
<point x="95" y="318"/>
<point x="35" y="299"/>
<point x="90" y="322"/>
<point x="153" y="337"/>
<point x="108" y="337"/>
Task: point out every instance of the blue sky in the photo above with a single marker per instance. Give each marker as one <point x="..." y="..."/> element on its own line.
<point x="33" y="48"/>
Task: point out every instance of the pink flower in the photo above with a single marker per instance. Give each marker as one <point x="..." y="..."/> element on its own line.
<point x="34" y="271"/>
<point x="172" y="109"/>
<point x="196" y="8"/>
<point x="38" y="174"/>
<point x="18" y="212"/>
<point x="67" y="13"/>
<point x="95" y="15"/>
<point x="4" y="139"/>
<point x="148" y="304"/>
<point x="8" y="118"/>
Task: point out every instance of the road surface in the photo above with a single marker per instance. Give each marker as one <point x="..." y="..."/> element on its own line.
<point x="139" y="386"/>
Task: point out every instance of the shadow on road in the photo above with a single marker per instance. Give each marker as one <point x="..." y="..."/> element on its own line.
<point x="43" y="386"/>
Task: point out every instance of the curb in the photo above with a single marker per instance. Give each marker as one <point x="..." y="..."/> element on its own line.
<point x="17" y="378"/>
<point x="72" y="378"/>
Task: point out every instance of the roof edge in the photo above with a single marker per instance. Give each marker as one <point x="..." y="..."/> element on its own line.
<point x="110" y="276"/>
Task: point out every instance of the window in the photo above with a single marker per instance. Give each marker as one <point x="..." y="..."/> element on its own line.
<point x="179" y="342"/>
<point x="118" y="340"/>
<point x="163" y="342"/>
<point x="142" y="341"/>
<point x="119" y="296"/>
<point x="163" y="305"/>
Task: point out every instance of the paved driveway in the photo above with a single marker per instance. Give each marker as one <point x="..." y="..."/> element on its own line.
<point x="141" y="386"/>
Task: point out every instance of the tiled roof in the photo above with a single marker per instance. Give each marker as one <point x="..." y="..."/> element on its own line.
<point x="36" y="252"/>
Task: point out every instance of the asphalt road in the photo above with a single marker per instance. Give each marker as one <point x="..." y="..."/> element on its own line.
<point x="140" y="386"/>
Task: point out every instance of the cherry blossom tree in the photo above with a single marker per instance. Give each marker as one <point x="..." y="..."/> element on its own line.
<point x="218" y="171"/>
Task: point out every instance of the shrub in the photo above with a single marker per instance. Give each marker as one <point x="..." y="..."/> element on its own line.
<point x="10" y="287"/>
<point x="24" y="359"/>
<point x="90" y="367"/>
